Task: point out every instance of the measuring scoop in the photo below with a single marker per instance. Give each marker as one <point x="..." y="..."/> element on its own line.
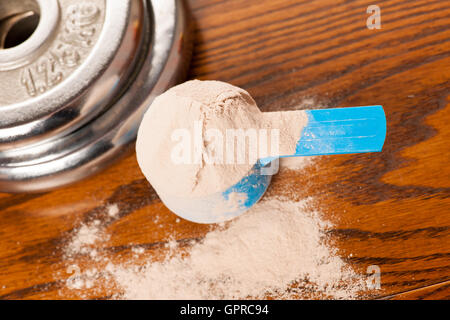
<point x="328" y="132"/>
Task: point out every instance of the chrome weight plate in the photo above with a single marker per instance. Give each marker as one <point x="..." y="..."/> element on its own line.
<point x="63" y="76"/>
<point x="72" y="95"/>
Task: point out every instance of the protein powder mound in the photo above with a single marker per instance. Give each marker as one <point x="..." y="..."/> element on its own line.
<point x="265" y="252"/>
<point x="199" y="109"/>
<point x="278" y="249"/>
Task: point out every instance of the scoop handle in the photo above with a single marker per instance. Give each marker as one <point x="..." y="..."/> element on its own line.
<point x="341" y="131"/>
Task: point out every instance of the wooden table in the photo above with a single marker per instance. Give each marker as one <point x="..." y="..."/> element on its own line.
<point x="391" y="209"/>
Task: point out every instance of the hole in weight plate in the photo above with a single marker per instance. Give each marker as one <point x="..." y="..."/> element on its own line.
<point x="18" y="21"/>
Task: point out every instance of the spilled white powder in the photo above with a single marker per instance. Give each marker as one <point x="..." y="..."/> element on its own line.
<point x="113" y="210"/>
<point x="85" y="236"/>
<point x="263" y="252"/>
<point x="295" y="163"/>
<point x="279" y="248"/>
<point x="85" y="241"/>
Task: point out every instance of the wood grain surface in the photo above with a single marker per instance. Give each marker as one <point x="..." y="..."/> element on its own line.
<point x="390" y="209"/>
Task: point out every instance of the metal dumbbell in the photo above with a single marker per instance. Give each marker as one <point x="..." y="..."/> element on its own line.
<point x="76" y="77"/>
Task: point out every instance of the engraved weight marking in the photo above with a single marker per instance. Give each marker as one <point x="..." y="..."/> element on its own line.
<point x="79" y="29"/>
<point x="78" y="32"/>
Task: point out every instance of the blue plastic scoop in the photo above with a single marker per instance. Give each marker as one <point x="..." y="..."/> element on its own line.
<point x="328" y="132"/>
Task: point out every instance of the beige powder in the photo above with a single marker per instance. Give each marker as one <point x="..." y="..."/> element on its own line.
<point x="279" y="248"/>
<point x="208" y="105"/>
<point x="290" y="124"/>
<point x="262" y="253"/>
